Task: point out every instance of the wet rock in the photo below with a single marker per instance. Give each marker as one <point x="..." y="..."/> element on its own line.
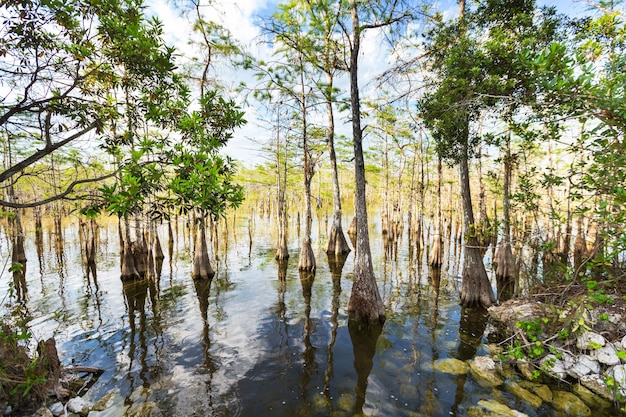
<point x="144" y="409"/>
<point x="451" y="366"/>
<point x="540" y="390"/>
<point x="346" y="402"/>
<point x="106" y="401"/>
<point x="319" y="404"/>
<point x="596" y="384"/>
<point x="57" y="409"/>
<point x="544" y="392"/>
<point x="78" y="405"/>
<point x="524" y="395"/>
<point x="527" y="370"/>
<point x="553" y="366"/>
<point x="495" y="349"/>
<point x="589" y="341"/>
<point x="592" y="400"/>
<point x="491" y="408"/>
<point x="570" y="404"/>
<point x="583" y="365"/>
<point x="484" y="370"/>
<point x="619" y="375"/>
<point x="606" y="355"/>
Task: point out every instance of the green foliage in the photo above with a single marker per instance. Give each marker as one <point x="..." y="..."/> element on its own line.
<point x="22" y="377"/>
<point x="16" y="267"/>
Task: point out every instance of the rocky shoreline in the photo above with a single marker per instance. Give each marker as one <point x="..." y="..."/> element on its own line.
<point x="579" y="345"/>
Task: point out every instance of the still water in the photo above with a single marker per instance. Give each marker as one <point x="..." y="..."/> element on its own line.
<point x="257" y="340"/>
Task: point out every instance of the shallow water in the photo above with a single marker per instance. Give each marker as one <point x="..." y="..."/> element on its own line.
<point x="249" y="343"/>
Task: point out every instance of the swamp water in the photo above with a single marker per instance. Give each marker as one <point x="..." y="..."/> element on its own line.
<point x="258" y="340"/>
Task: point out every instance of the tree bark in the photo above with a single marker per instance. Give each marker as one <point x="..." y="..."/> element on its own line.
<point x="201" y="264"/>
<point x="365" y="302"/>
<point x="476" y="289"/>
<point x="337" y="243"/>
<point x="129" y="271"/>
<point x="505" y="269"/>
<point x="307" y="256"/>
<point x="436" y="252"/>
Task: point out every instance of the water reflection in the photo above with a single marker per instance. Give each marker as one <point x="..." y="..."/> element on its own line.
<point x="203" y="288"/>
<point x="309" y="367"/>
<point x="364" y="338"/>
<point x="260" y="339"/>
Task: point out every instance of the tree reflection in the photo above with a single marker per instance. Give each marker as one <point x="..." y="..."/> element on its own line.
<point x="335" y="264"/>
<point x="308" y="356"/>
<point x="135" y="294"/>
<point x="364" y="337"/>
<point x="203" y="288"/>
<point x="471" y="329"/>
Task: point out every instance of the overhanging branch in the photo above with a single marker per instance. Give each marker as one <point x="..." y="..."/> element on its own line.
<point x="60" y="196"/>
<point x="43" y="152"/>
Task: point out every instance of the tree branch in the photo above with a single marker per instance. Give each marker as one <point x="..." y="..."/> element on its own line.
<point x="68" y="190"/>
<point x="43" y="152"/>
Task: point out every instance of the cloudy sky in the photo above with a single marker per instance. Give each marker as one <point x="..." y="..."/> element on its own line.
<point x="241" y="18"/>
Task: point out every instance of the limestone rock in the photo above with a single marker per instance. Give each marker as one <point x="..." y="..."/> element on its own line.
<point x="540" y="390"/>
<point x="587" y="340"/>
<point x="43" y="412"/>
<point x="526" y="369"/>
<point x="451" y="366"/>
<point x="570" y="404"/>
<point x="485" y="371"/>
<point x="596" y="384"/>
<point x="624" y="343"/>
<point x="606" y="355"/>
<point x="619" y="375"/>
<point x="78" y="405"/>
<point x="592" y="400"/>
<point x="553" y="366"/>
<point x="491" y="408"/>
<point x="57" y="409"/>
<point x="524" y="395"/>
<point x="512" y="311"/>
<point x="583" y="365"/>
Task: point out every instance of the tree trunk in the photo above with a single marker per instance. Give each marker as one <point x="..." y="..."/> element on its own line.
<point x="580" y="250"/>
<point x="505" y="270"/>
<point x="365" y="302"/>
<point x="475" y="289"/>
<point x="281" y="182"/>
<point x="129" y="271"/>
<point x="337" y="244"/>
<point x="18" y="257"/>
<point x="307" y="256"/>
<point x="201" y="263"/>
<point x="436" y="251"/>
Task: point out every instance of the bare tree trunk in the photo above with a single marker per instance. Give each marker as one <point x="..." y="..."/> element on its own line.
<point x="505" y="270"/>
<point x="365" y="302"/>
<point x="281" y="182"/>
<point x="201" y="263"/>
<point x="18" y="257"/>
<point x="475" y="289"/>
<point x="580" y="250"/>
<point x="436" y="251"/>
<point x="307" y="257"/>
<point x="337" y="243"/>
<point x="129" y="271"/>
